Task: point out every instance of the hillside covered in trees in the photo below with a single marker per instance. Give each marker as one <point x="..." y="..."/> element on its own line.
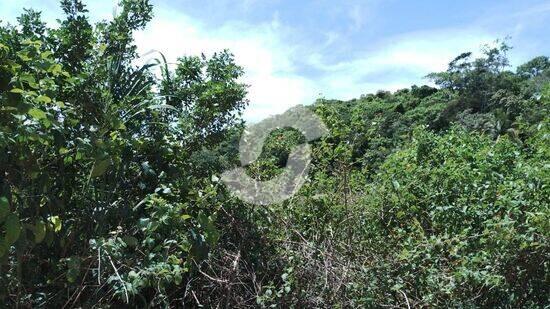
<point x="110" y="193"/>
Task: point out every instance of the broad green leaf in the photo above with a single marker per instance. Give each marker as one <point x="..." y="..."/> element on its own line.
<point x="4" y="207"/>
<point x="4" y="247"/>
<point x="130" y="241"/>
<point x="24" y="56"/>
<point x="39" y="231"/>
<point x="46" y="54"/>
<point x="43" y="99"/>
<point x="34" y="85"/>
<point x="17" y="90"/>
<point x="13" y="228"/>
<point x="27" y="78"/>
<point x="55" y="69"/>
<point x="56" y="222"/>
<point x="37" y="114"/>
<point x="100" y="167"/>
<point x="36" y="43"/>
<point x="102" y="48"/>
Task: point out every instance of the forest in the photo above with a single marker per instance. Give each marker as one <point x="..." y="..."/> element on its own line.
<point x="110" y="191"/>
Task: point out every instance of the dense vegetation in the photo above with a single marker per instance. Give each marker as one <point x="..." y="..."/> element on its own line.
<point x="109" y="190"/>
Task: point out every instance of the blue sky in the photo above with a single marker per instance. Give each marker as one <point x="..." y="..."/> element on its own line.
<point x="297" y="51"/>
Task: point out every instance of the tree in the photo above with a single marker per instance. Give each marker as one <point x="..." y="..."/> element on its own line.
<point x="93" y="164"/>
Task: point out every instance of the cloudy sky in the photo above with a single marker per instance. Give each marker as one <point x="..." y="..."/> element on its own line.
<point x="295" y="51"/>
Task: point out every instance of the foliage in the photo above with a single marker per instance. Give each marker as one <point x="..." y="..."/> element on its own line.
<point x="110" y="196"/>
<point x="96" y="182"/>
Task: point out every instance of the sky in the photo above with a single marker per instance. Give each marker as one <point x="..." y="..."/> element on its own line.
<point x="296" y="51"/>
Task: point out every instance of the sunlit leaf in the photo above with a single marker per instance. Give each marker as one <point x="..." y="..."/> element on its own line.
<point x="37" y="114"/>
<point x="17" y="90"/>
<point x="43" y="99"/>
<point x="56" y="222"/>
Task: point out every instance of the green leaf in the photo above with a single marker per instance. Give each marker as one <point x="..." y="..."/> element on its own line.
<point x="100" y="167"/>
<point x="27" y="78"/>
<point x="404" y="254"/>
<point x="36" y="43"/>
<point x="37" y="114"/>
<point x="13" y="228"/>
<point x="43" y="99"/>
<point x="63" y="150"/>
<point x="24" y="56"/>
<point x="4" y="247"/>
<point x="73" y="269"/>
<point x="130" y="241"/>
<point x="102" y="48"/>
<point x="4" y="207"/>
<point x="55" y="69"/>
<point x="211" y="232"/>
<point x="56" y="222"/>
<point x="34" y="85"/>
<point x="17" y="90"/>
<point x="46" y="54"/>
<point x="396" y="185"/>
<point x="39" y="231"/>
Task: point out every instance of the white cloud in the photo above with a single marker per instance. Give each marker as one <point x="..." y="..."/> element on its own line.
<point x="534" y="11"/>
<point x="283" y="74"/>
<point x="412" y="56"/>
<point x="270" y="62"/>
<point x="357" y="17"/>
<point x="274" y="86"/>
